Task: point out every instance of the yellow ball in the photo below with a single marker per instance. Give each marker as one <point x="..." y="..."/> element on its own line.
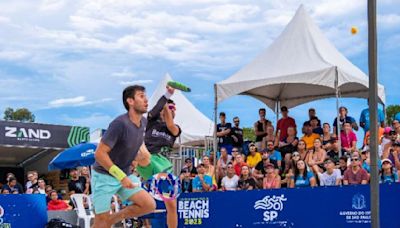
<point x="354" y="30"/>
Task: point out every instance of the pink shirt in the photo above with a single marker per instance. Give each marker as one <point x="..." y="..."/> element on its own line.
<point x="347" y="139"/>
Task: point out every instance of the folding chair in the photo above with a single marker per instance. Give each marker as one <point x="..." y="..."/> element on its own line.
<point x="79" y="201"/>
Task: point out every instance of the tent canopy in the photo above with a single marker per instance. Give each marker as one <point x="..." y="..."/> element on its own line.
<point x="194" y="124"/>
<point x="300" y="66"/>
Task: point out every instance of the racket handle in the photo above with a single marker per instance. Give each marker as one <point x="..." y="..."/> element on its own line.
<point x="179" y="86"/>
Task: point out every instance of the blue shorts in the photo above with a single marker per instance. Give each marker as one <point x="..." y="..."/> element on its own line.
<point x="105" y="186"/>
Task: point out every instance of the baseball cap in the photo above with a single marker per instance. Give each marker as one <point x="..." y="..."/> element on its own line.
<point x="252" y="144"/>
<point x="386" y="160"/>
<point x="284" y="109"/>
<point x="295" y="153"/>
<point x="387" y="130"/>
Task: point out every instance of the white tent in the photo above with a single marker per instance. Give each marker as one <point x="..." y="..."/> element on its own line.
<point x="194" y="124"/>
<point x="301" y="65"/>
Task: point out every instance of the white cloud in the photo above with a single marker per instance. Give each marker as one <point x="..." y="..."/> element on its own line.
<point x="76" y="101"/>
<point x="93" y="121"/>
<point x="52" y="5"/>
<point x="13" y="55"/>
<point x="228" y="12"/>
<point x="125" y="73"/>
<point x="144" y="81"/>
<point x="389" y="21"/>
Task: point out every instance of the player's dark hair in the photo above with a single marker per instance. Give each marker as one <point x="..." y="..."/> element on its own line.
<point x="129" y="92"/>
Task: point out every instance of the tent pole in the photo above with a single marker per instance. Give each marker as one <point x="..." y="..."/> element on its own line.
<point x="337" y="111"/>
<point x="215" y="128"/>
<point x="384" y="113"/>
<point x="373" y="112"/>
<point x="277" y="111"/>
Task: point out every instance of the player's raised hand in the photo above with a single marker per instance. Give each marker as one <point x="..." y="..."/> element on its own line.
<point x="170" y="90"/>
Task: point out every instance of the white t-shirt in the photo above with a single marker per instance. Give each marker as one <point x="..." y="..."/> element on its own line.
<point x="230" y="184"/>
<point x="329" y="180"/>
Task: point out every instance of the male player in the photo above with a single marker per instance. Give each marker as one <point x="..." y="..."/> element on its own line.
<point x="160" y="137"/>
<point x="119" y="146"/>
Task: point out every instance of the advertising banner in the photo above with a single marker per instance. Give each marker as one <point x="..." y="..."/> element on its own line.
<point x="41" y="135"/>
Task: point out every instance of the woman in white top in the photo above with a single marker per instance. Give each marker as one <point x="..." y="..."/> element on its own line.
<point x="230" y="181"/>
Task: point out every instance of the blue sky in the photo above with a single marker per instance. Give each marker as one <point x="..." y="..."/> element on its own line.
<point x="68" y="61"/>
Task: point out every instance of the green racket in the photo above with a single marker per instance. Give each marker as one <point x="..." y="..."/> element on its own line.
<point x="180" y="86"/>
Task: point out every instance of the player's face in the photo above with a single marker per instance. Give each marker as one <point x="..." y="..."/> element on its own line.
<point x="140" y="103"/>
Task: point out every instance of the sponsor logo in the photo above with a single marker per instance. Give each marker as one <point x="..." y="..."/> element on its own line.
<point x="359" y="213"/>
<point x="194" y="210"/>
<point x="358" y="202"/>
<point x="27" y="134"/>
<point x="272" y="206"/>
<point x="87" y="153"/>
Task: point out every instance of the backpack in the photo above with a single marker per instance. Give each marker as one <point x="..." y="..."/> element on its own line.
<point x="59" y="223"/>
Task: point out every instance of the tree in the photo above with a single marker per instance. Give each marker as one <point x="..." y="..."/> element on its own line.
<point x="21" y="114"/>
<point x="248" y="134"/>
<point x="391" y="111"/>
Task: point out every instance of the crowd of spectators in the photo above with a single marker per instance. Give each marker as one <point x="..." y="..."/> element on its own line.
<point x="280" y="157"/>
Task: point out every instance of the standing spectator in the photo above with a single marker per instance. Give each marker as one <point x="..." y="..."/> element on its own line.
<point x="364" y="119"/>
<point x="312" y="114"/>
<point x="224" y="133"/>
<point x="348" y="139"/>
<point x="41" y="186"/>
<point x="246" y="181"/>
<point x="331" y="176"/>
<point x="12" y="185"/>
<point x="314" y="125"/>
<point x="202" y="182"/>
<point x="239" y="163"/>
<point x="237" y="134"/>
<point x="260" y="127"/>
<point x="230" y="181"/>
<point x="355" y="174"/>
<point x="284" y="123"/>
<point x="302" y="177"/>
<point x="271" y="180"/>
<point x="309" y="137"/>
<point x="77" y="184"/>
<point x="189" y="166"/>
<point x="186" y="180"/>
<point x="388" y="174"/>
<point x="254" y="157"/>
<point x="344" y="118"/>
<point x="275" y="156"/>
<point x="342" y="165"/>
<point x="222" y="163"/>
<point x="397" y="116"/>
<point x="317" y="158"/>
<point x="56" y="204"/>
<point x="334" y="151"/>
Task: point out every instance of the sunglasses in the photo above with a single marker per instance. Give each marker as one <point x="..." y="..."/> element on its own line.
<point x="296" y="155"/>
<point x="235" y="151"/>
<point x="230" y="167"/>
<point x="237" y="121"/>
<point x="354" y="159"/>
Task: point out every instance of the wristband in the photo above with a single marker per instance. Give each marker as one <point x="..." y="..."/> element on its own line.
<point x="117" y="172"/>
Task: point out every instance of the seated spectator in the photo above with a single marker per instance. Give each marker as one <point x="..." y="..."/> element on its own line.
<point x="41" y="186"/>
<point x="259" y="171"/>
<point x="202" y="182"/>
<point x="381" y="131"/>
<point x="235" y="152"/>
<point x="309" y="136"/>
<point x="302" y="150"/>
<point x="274" y="156"/>
<point x="315" y="127"/>
<point x="270" y="137"/>
<point x="396" y="128"/>
<point x="56" y="204"/>
<point x="271" y="180"/>
<point x="32" y="181"/>
<point x="12" y="185"/>
<point x="388" y="173"/>
<point x="246" y="181"/>
<point x="348" y="139"/>
<point x="230" y="181"/>
<point x="334" y="151"/>
<point x="254" y="157"/>
<point x="239" y="163"/>
<point x="5" y="190"/>
<point x="344" y="118"/>
<point x="355" y="174"/>
<point x="223" y="162"/>
<point x="327" y="137"/>
<point x="209" y="169"/>
<point x="302" y="177"/>
<point x="331" y="176"/>
<point x="366" y="161"/>
<point x="317" y="158"/>
<point x="289" y="144"/>
<point x="189" y="165"/>
<point x="186" y="180"/>
<point x="283" y="124"/>
<point x="18" y="186"/>
<point x="77" y="184"/>
<point x="342" y="165"/>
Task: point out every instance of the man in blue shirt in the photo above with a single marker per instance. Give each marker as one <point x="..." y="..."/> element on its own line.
<point x="202" y="182"/>
<point x="397" y="116"/>
<point x="364" y="119"/>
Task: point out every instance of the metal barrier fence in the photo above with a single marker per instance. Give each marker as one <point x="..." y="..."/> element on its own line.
<point x="177" y="158"/>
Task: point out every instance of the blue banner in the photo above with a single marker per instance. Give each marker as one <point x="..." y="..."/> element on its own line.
<point x="346" y="206"/>
<point x="23" y="210"/>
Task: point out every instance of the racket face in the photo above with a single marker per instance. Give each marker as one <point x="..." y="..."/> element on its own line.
<point x="163" y="186"/>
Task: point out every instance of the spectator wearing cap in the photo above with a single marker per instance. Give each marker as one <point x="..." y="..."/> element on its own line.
<point x="202" y="182"/>
<point x="237" y="134"/>
<point x="189" y="165"/>
<point x="271" y="179"/>
<point x="348" y="139"/>
<point x="275" y="156"/>
<point x="246" y="181"/>
<point x="254" y="157"/>
<point x="344" y="118"/>
<point x="331" y="176"/>
<point x="284" y="123"/>
<point x="388" y="173"/>
<point x="224" y="131"/>
<point x="314" y="125"/>
<point x="239" y="163"/>
<point x="223" y="162"/>
<point x="309" y="137"/>
<point x="355" y="174"/>
<point x="230" y="181"/>
<point x="302" y="177"/>
<point x="186" y="180"/>
<point x="260" y="127"/>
